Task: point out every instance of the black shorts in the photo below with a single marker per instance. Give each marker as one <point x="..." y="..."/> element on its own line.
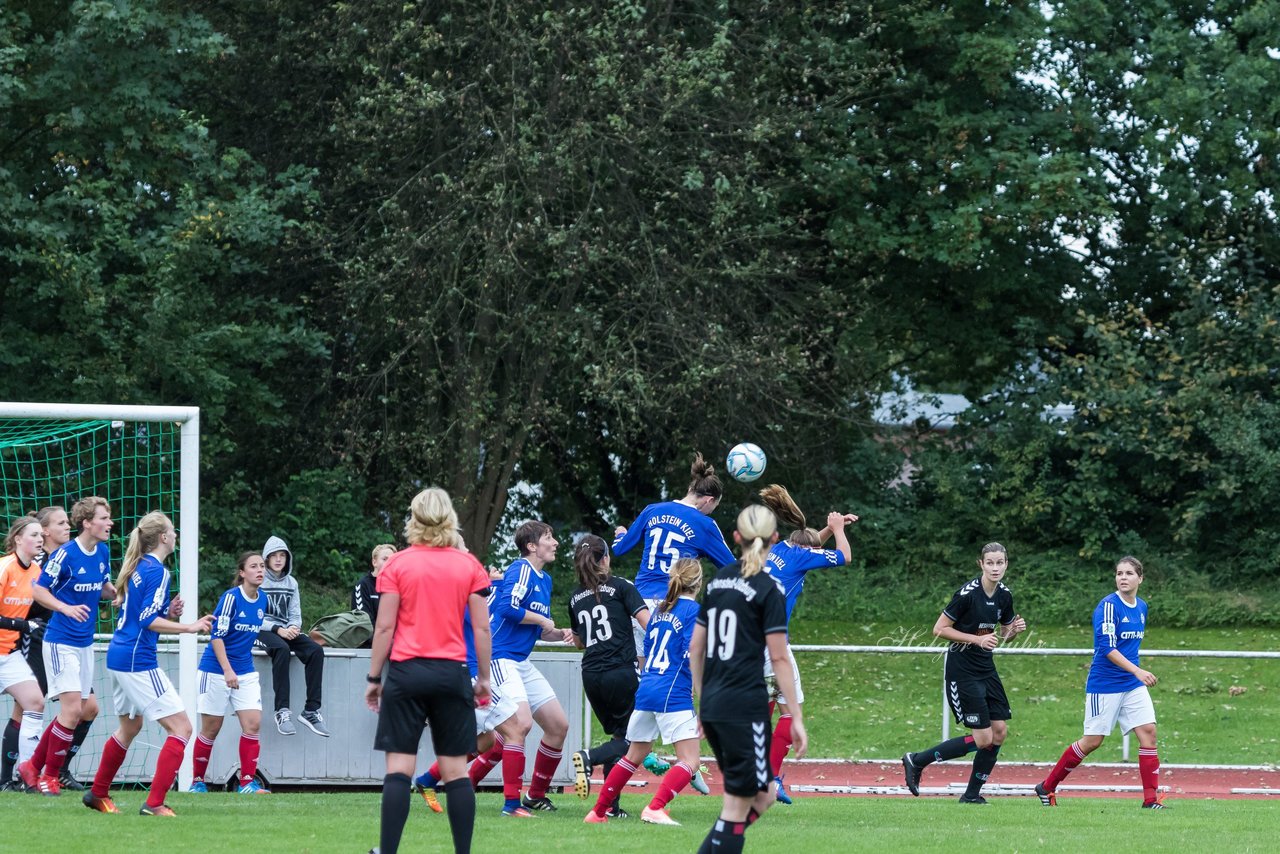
<point x="741" y="749"/>
<point x="612" y="694"/>
<point x="34" y="651"/>
<point x="430" y="689"/>
<point x="977" y="701"/>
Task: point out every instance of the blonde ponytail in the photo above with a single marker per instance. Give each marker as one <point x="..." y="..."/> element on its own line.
<point x="756" y="526"/>
<point x="686" y="577"/>
<point x="142" y="539"/>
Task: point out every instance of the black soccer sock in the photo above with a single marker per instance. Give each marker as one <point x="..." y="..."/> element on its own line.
<point x="608" y="753"/>
<point x="983" y="762"/>
<point x="952" y="748"/>
<point x="460" y="800"/>
<point x="395" y="811"/>
<point x="726" y="837"/>
<point x="77" y="741"/>
<point x="10" y="757"/>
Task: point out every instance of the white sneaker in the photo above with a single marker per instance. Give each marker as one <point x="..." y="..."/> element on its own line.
<point x="284" y="723"/>
<point x="657" y="817"/>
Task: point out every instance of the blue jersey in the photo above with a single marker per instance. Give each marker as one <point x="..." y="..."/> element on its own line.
<point x="146" y="596"/>
<point x="671" y="530"/>
<point x="75" y="577"/>
<point x="666" y="685"/>
<point x="522" y="589"/>
<point x="236" y="622"/>
<point x="790" y="564"/>
<point x="1116" y="626"/>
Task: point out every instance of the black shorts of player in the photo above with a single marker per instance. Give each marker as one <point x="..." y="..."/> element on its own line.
<point x="741" y="749"/>
<point x="976" y="702"/>
<point x="35" y="660"/>
<point x="433" y="690"/>
<point x="612" y="694"/>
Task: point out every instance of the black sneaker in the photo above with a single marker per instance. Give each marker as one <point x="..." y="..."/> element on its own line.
<point x="1157" y="804"/>
<point x="911" y="772"/>
<point x="543" y="803"/>
<point x="976" y="799"/>
<point x="69" y="782"/>
<point x="582" y="774"/>
<point x="1048" y="799"/>
<point x="617" y="812"/>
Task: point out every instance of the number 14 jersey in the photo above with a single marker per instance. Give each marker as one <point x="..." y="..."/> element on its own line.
<point x="602" y="621"/>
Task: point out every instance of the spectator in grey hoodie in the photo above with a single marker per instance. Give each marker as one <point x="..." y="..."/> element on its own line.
<point x="282" y="633"/>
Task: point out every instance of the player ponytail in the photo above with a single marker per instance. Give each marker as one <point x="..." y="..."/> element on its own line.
<point x="777" y="499"/>
<point x="757" y="530"/>
<point x="589" y="563"/>
<point x="705" y="483"/>
<point x="142" y="539"/>
<point x="432" y="520"/>
<point x="686" y="578"/>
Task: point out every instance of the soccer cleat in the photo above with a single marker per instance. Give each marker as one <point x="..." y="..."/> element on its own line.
<point x="1157" y="804"/>
<point x="428" y="796"/>
<point x="27" y="773"/>
<point x="284" y="723"/>
<point x="582" y="774"/>
<point x="699" y="781"/>
<point x="314" y="722"/>
<point x="516" y="812"/>
<point x="592" y="818"/>
<point x="253" y="787"/>
<point x="70" y="783"/>
<point x="616" y="812"/>
<point x="160" y="810"/>
<point x="48" y="786"/>
<point x="1047" y="798"/>
<point x="99" y="804"/>
<point x="199" y="788"/>
<point x="783" y="797"/>
<point x="976" y="799"/>
<point x="543" y="803"/>
<point x="911" y="772"/>
<point x="656" y="766"/>
<point x="652" y="816"/>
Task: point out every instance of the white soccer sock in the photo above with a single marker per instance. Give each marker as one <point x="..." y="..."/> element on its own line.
<point x="29" y="734"/>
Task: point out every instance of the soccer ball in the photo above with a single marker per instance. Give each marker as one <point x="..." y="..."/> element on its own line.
<point x="745" y="462"/>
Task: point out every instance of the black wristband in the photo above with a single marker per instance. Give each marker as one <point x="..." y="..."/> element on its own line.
<point x="373" y="680"/>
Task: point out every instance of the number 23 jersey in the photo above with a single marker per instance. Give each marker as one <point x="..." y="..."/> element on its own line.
<point x="737" y="613"/>
<point x="603" y="623"/>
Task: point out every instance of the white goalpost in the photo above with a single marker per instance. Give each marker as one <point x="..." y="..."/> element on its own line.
<point x="55" y="453"/>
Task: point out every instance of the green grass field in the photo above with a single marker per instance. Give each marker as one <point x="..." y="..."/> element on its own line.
<point x="348" y="823"/>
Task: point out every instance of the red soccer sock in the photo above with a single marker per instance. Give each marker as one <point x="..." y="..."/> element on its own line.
<point x="250" y="747"/>
<point x="545" y="763"/>
<point x="614" y="784"/>
<point x="166" y="769"/>
<point x="676" y="778"/>
<point x="113" y="754"/>
<point x="1071" y="757"/>
<point x="781" y="744"/>
<point x="59" y="746"/>
<point x="200" y="758"/>
<point x="1149" y="770"/>
<point x="483" y="764"/>
<point x="512" y="770"/>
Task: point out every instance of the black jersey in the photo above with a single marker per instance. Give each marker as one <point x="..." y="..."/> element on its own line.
<point x="737" y="613"/>
<point x="976" y="613"/>
<point x="364" y="596"/>
<point x="601" y="619"/>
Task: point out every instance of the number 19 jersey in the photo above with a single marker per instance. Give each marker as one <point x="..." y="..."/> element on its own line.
<point x="737" y="613"/>
<point x="602" y="621"/>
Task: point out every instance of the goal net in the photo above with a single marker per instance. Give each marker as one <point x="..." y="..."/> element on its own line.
<point x="139" y="459"/>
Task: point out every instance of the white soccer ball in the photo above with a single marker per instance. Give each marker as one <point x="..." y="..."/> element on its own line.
<point x="745" y="462"/>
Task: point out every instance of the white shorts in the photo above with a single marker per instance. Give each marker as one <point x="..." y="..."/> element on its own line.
<point x="638" y="633"/>
<point x="68" y="669"/>
<point x="516" y="682"/>
<point x="672" y="726"/>
<point x="148" y="694"/>
<point x="1130" y="709"/>
<point x="774" y="693"/>
<point x="216" y="699"/>
<point x="14" y="670"/>
<point x="492" y="714"/>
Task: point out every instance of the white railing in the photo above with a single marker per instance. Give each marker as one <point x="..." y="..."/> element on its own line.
<point x="939" y="649"/>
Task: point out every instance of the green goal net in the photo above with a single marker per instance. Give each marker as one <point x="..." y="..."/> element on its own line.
<point x="136" y="465"/>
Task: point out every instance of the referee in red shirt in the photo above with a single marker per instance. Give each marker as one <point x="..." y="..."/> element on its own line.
<point x="425" y="591"/>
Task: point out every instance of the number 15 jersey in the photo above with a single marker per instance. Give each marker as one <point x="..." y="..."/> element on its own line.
<point x="602" y="621"/>
<point x="669" y="531"/>
<point x="737" y="613"/>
